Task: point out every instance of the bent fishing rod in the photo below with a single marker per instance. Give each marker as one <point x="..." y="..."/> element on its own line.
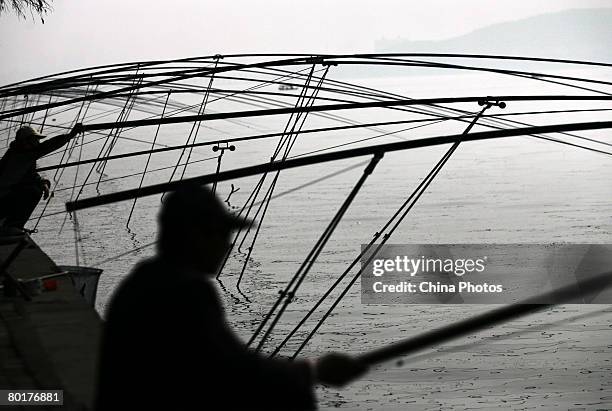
<point x="491" y="318"/>
<point x="327" y="157"/>
<point x="23" y="87"/>
<point x="333" y="107"/>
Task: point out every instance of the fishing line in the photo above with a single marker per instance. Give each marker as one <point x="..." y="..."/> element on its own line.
<point x="487" y="319"/>
<point x="255" y="192"/>
<point x="56" y="177"/>
<point x="112" y="132"/>
<point x="136" y="174"/>
<point x="104" y="146"/>
<point x="433" y="122"/>
<point x="293" y="120"/>
<point x="325" y="129"/>
<point x="77" y="237"/>
<point x="120" y="66"/>
<point x="388" y="62"/>
<point x="286" y="296"/>
<point x="25" y="106"/>
<point x="377" y="92"/>
<point x="32" y="116"/>
<point x="181" y="76"/>
<point x="341" y="106"/>
<point x="407" y="205"/>
<point x="76" y="173"/>
<point x="118" y="256"/>
<point x="195" y="136"/>
<point x="383" y="241"/>
<point x="112" y="179"/>
<point x="131" y="128"/>
<point x="144" y="171"/>
<point x="42" y="127"/>
<point x="193" y="127"/>
<point x="333" y="156"/>
<point x="502" y="337"/>
<point x="324" y="115"/>
<point x="63" y="110"/>
<point x="331" y="175"/>
<point x="358" y="274"/>
<point x="390" y="133"/>
<point x="316" y="180"/>
<point x="102" y="166"/>
<point x="290" y="140"/>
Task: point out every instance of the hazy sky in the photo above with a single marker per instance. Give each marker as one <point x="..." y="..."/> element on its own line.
<point x="86" y="32"/>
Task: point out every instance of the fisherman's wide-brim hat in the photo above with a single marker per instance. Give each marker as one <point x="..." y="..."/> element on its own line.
<point x="27" y="132"/>
<point x="197" y="206"/>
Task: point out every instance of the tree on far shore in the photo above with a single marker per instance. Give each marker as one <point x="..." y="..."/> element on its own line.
<point x="24" y="7"/>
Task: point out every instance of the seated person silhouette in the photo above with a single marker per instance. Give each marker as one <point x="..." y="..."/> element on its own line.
<point x="21" y="187"/>
<point x="166" y="344"/>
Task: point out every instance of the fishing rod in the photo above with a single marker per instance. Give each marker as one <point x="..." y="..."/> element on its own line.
<point x="333" y="156"/>
<point x="296" y="121"/>
<point x="144" y="64"/>
<point x="42" y="215"/>
<point x="553" y="140"/>
<point x="417" y="63"/>
<point x="288" y="294"/>
<point x="488" y="319"/>
<point x="140" y="173"/>
<point x="454" y="110"/>
<point x="374" y="93"/>
<point x="146" y="167"/>
<point x="289" y="191"/>
<point x="165" y="148"/>
<point x="544" y="77"/>
<point x="118" y="66"/>
<point x="336" y="107"/>
<point x="190" y="118"/>
<point x="250" y="202"/>
<point x="322" y="60"/>
<point x="406" y="206"/>
<point x="186" y="74"/>
<point x="325" y="129"/>
<point x="153" y="243"/>
<point x="267" y="101"/>
<point x="190" y="90"/>
<point x="270" y="101"/>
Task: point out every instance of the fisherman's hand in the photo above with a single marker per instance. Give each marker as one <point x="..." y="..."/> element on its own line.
<point x="46" y="186"/>
<point x="337" y="370"/>
<point x="78" y="128"/>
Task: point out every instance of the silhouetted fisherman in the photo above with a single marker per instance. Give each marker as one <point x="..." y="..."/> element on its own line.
<point x="21" y="187"/>
<point x="166" y="344"/>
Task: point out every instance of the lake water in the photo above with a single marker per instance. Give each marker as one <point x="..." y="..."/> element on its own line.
<point x="514" y="190"/>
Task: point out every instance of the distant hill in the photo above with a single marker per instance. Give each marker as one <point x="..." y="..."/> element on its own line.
<point x="578" y="34"/>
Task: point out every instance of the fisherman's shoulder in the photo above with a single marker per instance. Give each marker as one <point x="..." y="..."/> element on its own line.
<point x="138" y="284"/>
<point x="143" y="272"/>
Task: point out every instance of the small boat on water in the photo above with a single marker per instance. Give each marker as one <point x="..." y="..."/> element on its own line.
<point x="286" y="87"/>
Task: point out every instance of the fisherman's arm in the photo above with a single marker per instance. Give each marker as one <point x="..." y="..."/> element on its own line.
<point x="54" y="143"/>
<point x="285" y="384"/>
<point x="281" y="383"/>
